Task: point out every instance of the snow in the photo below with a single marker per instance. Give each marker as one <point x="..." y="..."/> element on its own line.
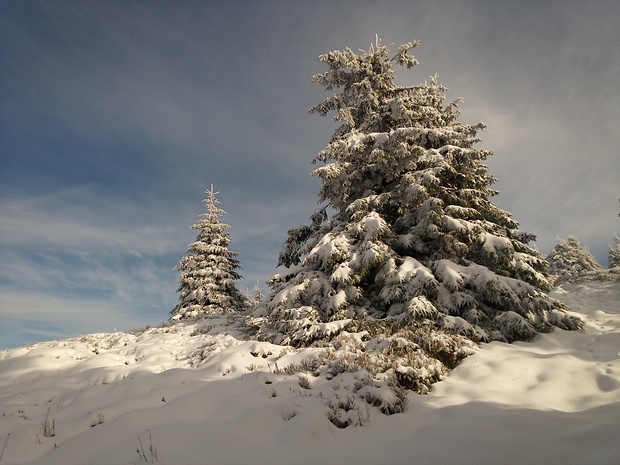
<point x="338" y="300"/>
<point x="330" y="246"/>
<point x="341" y="274"/>
<point x="371" y="226"/>
<point x="198" y="392"/>
<point x="409" y="269"/>
<point x="284" y="295"/>
<point x="496" y="245"/>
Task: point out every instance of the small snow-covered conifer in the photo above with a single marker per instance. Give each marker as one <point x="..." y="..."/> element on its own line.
<point x="569" y="261"/>
<point x="614" y="253"/>
<point x="407" y="235"/>
<point x="209" y="270"/>
<point x="258" y="294"/>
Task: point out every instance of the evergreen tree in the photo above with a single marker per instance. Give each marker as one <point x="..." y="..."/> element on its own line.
<point x="258" y="294"/>
<point x="209" y="270"/>
<point x="569" y="261"/>
<point x="407" y="236"/>
<point x="614" y="253"/>
<point x="253" y="298"/>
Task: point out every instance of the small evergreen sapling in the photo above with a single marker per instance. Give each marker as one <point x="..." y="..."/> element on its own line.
<point x="407" y="235"/>
<point x="209" y="270"/>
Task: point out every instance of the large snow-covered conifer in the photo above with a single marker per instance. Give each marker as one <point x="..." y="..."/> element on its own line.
<point x="209" y="270"/>
<point x="407" y="235"/>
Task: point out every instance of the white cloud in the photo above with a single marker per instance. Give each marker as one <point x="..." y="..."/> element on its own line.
<point x="28" y="318"/>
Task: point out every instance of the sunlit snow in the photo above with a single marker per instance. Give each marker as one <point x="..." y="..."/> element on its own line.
<point x="198" y="393"/>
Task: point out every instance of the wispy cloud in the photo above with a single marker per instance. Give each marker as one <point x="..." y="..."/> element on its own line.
<point x="32" y="317"/>
<point x="75" y="219"/>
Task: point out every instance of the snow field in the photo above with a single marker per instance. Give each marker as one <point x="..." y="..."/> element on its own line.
<point x="198" y="393"/>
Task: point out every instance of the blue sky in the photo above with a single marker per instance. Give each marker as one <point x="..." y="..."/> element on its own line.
<point x="115" y="116"/>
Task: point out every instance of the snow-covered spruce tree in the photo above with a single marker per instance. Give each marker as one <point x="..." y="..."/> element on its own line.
<point x="569" y="261"/>
<point x="258" y="294"/>
<point x="408" y="242"/>
<point x="614" y="253"/>
<point x="209" y="270"/>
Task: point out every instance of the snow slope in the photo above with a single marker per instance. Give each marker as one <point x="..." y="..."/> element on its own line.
<point x="199" y="393"/>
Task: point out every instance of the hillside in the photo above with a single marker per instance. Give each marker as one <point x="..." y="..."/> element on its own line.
<point x="199" y="393"/>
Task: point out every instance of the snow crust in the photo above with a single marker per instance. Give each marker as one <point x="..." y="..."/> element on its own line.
<point x="198" y="392"/>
